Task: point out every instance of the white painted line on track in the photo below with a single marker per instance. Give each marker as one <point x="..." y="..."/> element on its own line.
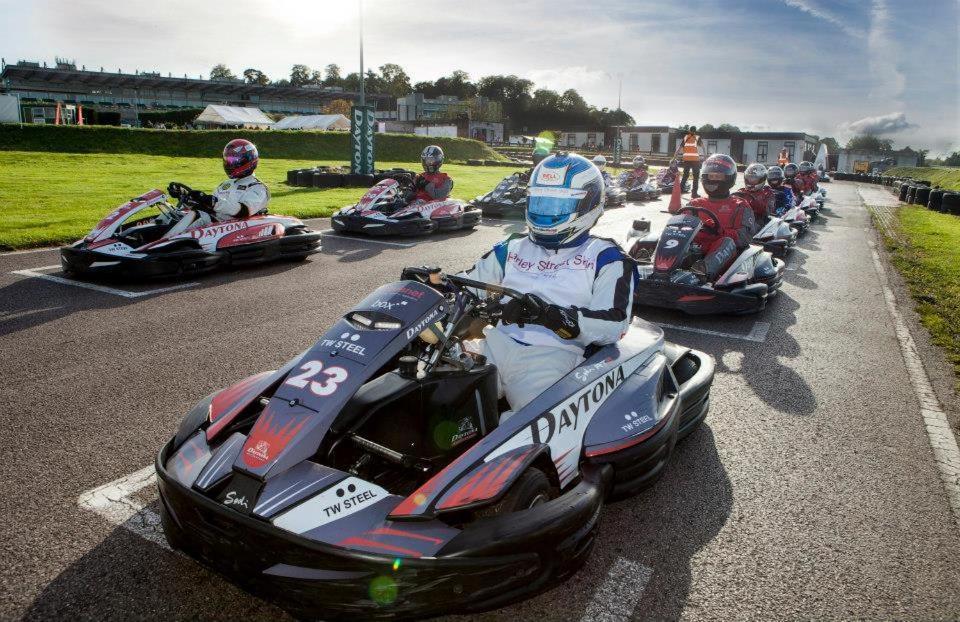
<point x="618" y="595"/>
<point x="123" y="293"/>
<point x="328" y="233"/>
<point x="942" y="440"/>
<point x="114" y="501"/>
<point x="758" y="332"/>
<point x="28" y="251"/>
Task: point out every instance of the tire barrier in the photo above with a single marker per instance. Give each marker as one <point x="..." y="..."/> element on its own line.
<point x="935" y="202"/>
<point x="922" y="195"/>
<point x="903" y="192"/>
<point x="335" y="177"/>
<point x="950" y="203"/>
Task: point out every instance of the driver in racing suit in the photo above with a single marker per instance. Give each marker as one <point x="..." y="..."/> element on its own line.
<point x="431" y="184"/>
<point x="736" y="224"/>
<point x="581" y="285"/>
<point x="242" y="195"/>
<point x="809" y="177"/>
<point x="639" y="174"/>
<point x="756" y="192"/>
<point x="782" y="194"/>
<point x="792" y="180"/>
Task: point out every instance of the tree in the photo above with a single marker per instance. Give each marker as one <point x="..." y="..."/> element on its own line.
<point x="316" y="77"/>
<point x="299" y="75"/>
<point x="869" y="142"/>
<point x="727" y="127"/>
<point x="333" y="76"/>
<point x="396" y="82"/>
<point x="280" y="82"/>
<point x="338" y="106"/>
<point x="255" y="76"/>
<point x="953" y="159"/>
<point x="221" y="72"/>
<point x="832" y="145"/>
<point x="705" y="128"/>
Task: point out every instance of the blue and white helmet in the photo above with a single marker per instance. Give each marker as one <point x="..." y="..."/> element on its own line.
<point x="565" y="199"/>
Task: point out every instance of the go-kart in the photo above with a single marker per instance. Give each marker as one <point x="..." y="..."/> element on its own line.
<point x="824" y="177"/>
<point x="811" y="204"/>
<point x="508" y="199"/>
<point x="133" y="242"/>
<point x="371" y="476"/>
<point x="776" y="236"/>
<point x="637" y="190"/>
<point x="671" y="274"/>
<point x="795" y="217"/>
<point x="666" y="178"/>
<point x="390" y="207"/>
<point x="614" y="194"/>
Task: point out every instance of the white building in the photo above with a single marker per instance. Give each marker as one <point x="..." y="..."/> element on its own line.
<point x="852" y="161"/>
<point x="649" y="139"/>
<point x="581" y="139"/>
<point x="764" y="147"/>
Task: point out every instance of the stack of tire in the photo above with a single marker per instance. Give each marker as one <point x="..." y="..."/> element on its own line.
<point x="332" y="177"/>
<point x="944" y="201"/>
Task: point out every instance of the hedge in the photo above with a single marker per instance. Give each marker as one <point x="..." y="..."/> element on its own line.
<point x="298" y="145"/>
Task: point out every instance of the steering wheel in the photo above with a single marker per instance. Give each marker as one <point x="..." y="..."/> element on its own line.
<point x="710" y="221"/>
<point x="178" y="191"/>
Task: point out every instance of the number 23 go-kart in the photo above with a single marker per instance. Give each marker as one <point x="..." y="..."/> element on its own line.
<point x="132" y="242"/>
<point x="370" y="476"/>
<point x="390" y="207"/>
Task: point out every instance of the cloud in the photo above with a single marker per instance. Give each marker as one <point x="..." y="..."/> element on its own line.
<point x="889" y="81"/>
<point x="883" y="124"/>
<point x="563" y="78"/>
<point x="820" y="12"/>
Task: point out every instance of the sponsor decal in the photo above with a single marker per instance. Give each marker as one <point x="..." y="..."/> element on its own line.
<point x="233" y="498"/>
<point x="388" y="305"/>
<point x="332" y="377"/>
<point x="551" y="176"/>
<point x="218" y="230"/>
<point x="635" y="422"/>
<point x="465" y="430"/>
<point x="346" y="343"/>
<point x="224" y="186"/>
<point x="409" y="292"/>
<point x="422" y="324"/>
<point x="584" y="373"/>
<point x="577" y="262"/>
<point x="350" y="499"/>
<point x="269" y="436"/>
<point x="567" y="417"/>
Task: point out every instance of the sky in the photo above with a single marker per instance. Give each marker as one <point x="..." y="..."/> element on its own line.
<point x="828" y="67"/>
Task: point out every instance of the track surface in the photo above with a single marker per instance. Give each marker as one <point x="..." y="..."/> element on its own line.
<point x="811" y="492"/>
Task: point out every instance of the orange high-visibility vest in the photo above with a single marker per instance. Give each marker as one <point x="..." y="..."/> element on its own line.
<point x="690" y="151"/>
<point x="784" y="159"/>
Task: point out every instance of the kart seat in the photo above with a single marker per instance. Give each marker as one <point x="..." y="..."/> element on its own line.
<point x="380" y="390"/>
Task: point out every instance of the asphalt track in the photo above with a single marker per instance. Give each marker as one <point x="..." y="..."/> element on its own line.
<point x="811" y="493"/>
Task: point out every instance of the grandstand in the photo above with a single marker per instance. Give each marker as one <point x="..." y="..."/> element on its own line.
<point x="40" y="87"/>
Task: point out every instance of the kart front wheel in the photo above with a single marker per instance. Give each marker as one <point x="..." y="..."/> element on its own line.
<point x="531" y="489"/>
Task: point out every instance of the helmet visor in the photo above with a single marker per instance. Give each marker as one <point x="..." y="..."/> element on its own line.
<point x="546" y="207"/>
<point x="233" y="160"/>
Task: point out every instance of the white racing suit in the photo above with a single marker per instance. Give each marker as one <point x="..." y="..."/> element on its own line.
<point x="235" y="198"/>
<point x="595" y="277"/>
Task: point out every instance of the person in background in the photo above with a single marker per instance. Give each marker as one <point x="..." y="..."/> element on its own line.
<point x="722" y="240"/>
<point x="809" y="176"/>
<point x="784" y="158"/>
<point x="431" y="184"/>
<point x="600" y="161"/>
<point x="639" y="174"/>
<point x="756" y="192"/>
<point x="691" y="155"/>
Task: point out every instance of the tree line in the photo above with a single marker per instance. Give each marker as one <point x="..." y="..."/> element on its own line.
<point x="529" y="109"/>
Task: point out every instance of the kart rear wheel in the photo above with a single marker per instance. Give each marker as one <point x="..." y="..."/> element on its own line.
<point x="531" y="489"/>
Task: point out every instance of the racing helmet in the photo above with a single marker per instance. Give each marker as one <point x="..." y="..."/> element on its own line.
<point x="240" y="158"/>
<point x="755" y="176"/>
<point x="600" y="161"/>
<point x="718" y="175"/>
<point x="790" y="170"/>
<point x="564" y="199"/>
<point x="639" y="162"/>
<point x="539" y="155"/>
<point x="806" y="167"/>
<point x="774" y="176"/>
<point x="432" y="159"/>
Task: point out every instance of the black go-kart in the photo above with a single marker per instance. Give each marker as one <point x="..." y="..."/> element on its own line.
<point x="507" y="200"/>
<point x="371" y="476"/>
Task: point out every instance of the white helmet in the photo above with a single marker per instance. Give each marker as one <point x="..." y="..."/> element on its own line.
<point x="600" y="161"/>
<point x="565" y="199"/>
<point x="639" y="162"/>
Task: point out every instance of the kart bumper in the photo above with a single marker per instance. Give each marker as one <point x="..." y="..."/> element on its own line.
<point x="91" y="264"/>
<point x="491" y="563"/>
<point x="502" y="210"/>
<point x="695" y="300"/>
<point x="373" y="226"/>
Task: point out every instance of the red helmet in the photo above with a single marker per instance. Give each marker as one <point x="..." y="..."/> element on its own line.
<point x="240" y="158"/>
<point x="718" y="175"/>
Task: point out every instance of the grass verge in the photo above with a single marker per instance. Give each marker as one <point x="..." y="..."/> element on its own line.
<point x="928" y="256"/>
<point x="945" y="177"/>
<point x="53" y="198"/>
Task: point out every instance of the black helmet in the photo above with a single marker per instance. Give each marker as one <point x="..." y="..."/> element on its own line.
<point x="539" y="155"/>
<point x="775" y="176"/>
<point x="432" y="159"/>
<point x="790" y="170"/>
<point x="718" y="175"/>
<point x="806" y="167"/>
<point x="755" y="176"/>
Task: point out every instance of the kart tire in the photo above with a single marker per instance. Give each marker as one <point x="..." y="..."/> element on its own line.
<point x="292" y="178"/>
<point x="327" y="180"/>
<point x="935" y="202"/>
<point x="304" y="178"/>
<point x="531" y="488"/>
<point x="355" y="180"/>
<point x="950" y="203"/>
<point x="911" y="194"/>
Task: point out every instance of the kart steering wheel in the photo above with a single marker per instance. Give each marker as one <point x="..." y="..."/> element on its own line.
<point x="177" y="190"/>
<point x="710" y="221"/>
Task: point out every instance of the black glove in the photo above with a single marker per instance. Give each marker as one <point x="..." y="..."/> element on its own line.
<point x="177" y="190"/>
<point x="535" y="310"/>
<point x="420" y="183"/>
<point x="201" y="200"/>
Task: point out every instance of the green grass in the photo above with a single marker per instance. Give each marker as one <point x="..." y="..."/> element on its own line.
<point x="945" y="177"/>
<point x="52" y="198"/>
<point x="929" y="260"/>
<point x="299" y="145"/>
